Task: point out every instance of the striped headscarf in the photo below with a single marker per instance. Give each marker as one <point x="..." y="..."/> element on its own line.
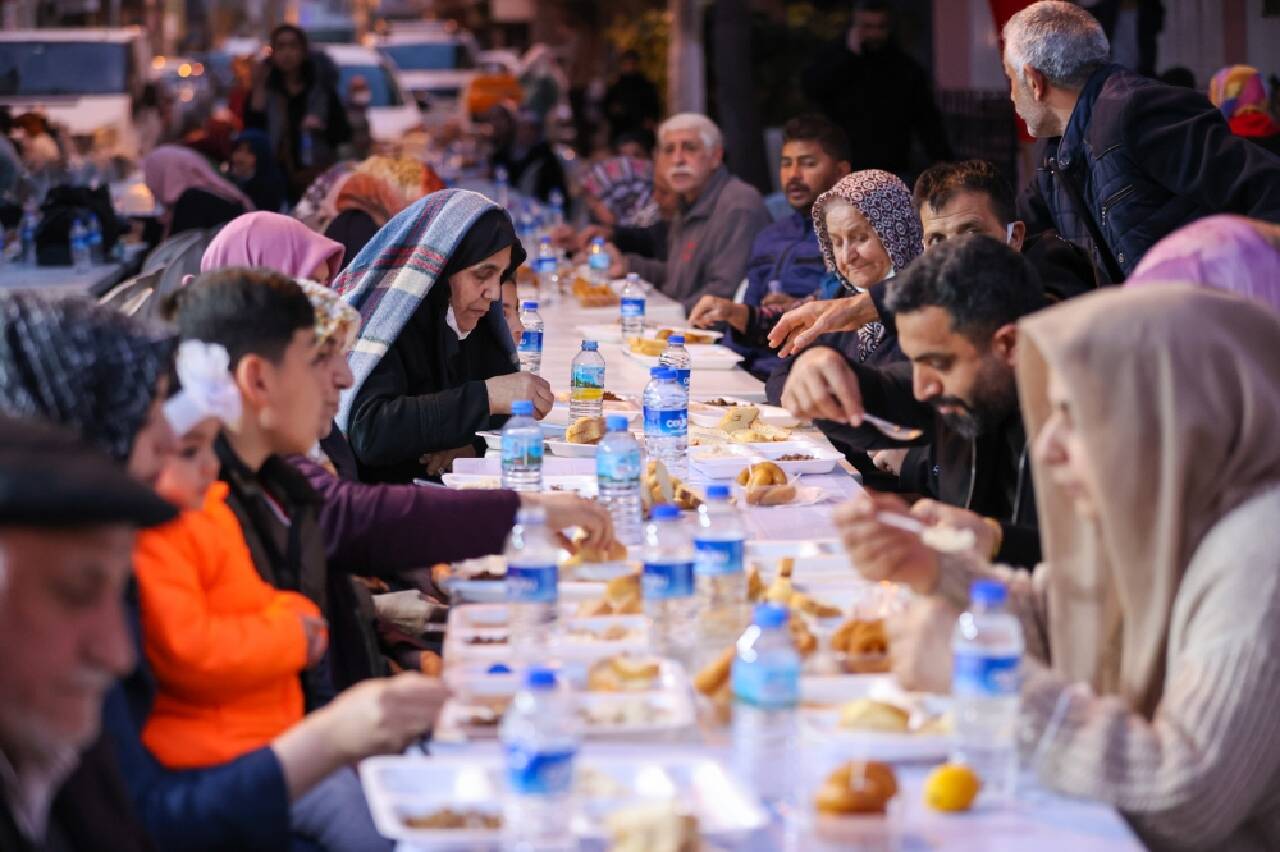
<point x="625" y="186"/>
<point x="885" y="201"/>
<point x="392" y="275"/>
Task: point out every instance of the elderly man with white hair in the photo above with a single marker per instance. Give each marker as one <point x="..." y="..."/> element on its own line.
<point x="1127" y="160"/>
<point x="710" y="239"/>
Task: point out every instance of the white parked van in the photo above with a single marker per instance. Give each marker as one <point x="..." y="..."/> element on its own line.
<point x="84" y="79"/>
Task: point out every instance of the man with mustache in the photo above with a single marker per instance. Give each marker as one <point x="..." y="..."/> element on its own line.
<point x="786" y="264"/>
<point x="957" y="308"/>
<point x="709" y="240"/>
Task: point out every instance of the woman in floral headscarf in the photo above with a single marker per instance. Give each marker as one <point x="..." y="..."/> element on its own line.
<point x="378" y="189"/>
<point x="1241" y="94"/>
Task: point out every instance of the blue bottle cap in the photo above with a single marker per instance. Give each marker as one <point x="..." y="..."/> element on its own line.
<point x="988" y="592"/>
<point x="540" y="679"/>
<point x="665" y="512"/>
<point x="597" y="241"/>
<point x="769" y="615"/>
<point x="590" y="346"/>
<point x="616" y="423"/>
<point x="528" y="306"/>
<point x="498" y="669"/>
<point x="677" y="339"/>
<point x="546" y="238"/>
<point x="522" y="408"/>
<point x="718" y="492"/>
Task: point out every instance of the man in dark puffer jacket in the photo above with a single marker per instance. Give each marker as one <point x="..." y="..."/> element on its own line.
<point x="1127" y="160"/>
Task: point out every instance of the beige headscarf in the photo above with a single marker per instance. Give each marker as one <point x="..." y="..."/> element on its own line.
<point x="1176" y="393"/>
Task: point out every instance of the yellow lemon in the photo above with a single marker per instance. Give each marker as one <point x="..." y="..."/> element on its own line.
<point x="951" y="787"/>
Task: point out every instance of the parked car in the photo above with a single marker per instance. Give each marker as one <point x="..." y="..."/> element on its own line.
<point x="437" y="62"/>
<point x="84" y="79"/>
<point x="391" y="113"/>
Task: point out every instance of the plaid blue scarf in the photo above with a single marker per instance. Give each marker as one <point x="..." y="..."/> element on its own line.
<point x="393" y="273"/>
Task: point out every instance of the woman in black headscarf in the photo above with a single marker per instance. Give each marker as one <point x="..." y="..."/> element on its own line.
<point x="254" y="169"/>
<point x="435" y="362"/>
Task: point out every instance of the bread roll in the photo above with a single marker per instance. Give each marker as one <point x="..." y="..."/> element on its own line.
<point x="865" y="714"/>
<point x="715" y="674"/>
<point x="739" y="418"/>
<point x="857" y="787"/>
<point x="585" y="430"/>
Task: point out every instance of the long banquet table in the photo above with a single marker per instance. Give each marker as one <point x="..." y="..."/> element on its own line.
<point x="1036" y="819"/>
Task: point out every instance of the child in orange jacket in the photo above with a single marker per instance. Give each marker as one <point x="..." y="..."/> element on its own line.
<point x="225" y="646"/>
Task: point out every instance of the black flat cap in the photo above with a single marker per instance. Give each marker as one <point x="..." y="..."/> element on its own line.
<point x="49" y="478"/>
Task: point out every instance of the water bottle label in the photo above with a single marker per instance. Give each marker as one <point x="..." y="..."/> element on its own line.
<point x="682" y="376"/>
<point x="632" y="308"/>
<point x="618" y="469"/>
<point x="539" y="772"/>
<point x="665" y="580"/>
<point x="985" y="675"/>
<point x="718" y="557"/>
<point x="520" y="451"/>
<point x="530" y="341"/>
<point x="767" y="687"/>
<point x="670" y="422"/>
<point x="532" y="583"/>
<point x="598" y="261"/>
<point x="545" y="264"/>
<point x="588" y="382"/>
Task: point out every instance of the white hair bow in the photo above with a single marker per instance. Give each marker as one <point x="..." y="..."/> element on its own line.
<point x="204" y="369"/>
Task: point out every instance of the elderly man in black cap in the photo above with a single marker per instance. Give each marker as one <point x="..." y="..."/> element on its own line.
<point x="68" y="516"/>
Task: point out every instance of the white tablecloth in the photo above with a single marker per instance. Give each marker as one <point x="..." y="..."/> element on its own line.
<point x="1036" y="820"/>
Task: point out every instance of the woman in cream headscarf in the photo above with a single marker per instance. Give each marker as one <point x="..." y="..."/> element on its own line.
<point x="1152" y="670"/>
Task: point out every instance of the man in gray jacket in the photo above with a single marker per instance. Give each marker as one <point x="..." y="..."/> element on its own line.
<point x="710" y="239"/>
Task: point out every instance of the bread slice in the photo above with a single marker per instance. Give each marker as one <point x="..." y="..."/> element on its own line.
<point x="738" y="419"/>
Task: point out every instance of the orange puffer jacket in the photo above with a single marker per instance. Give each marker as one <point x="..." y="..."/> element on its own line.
<point x="226" y="648"/>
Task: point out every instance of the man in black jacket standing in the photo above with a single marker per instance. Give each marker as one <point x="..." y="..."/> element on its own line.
<point x="879" y="95"/>
<point x="957" y="308"/>
<point x="1127" y="160"/>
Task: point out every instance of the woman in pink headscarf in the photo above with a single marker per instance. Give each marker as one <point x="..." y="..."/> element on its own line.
<point x="1231" y="253"/>
<point x="274" y="241"/>
<point x="193" y="194"/>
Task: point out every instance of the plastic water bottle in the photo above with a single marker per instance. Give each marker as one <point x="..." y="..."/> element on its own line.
<point x="632" y="307"/>
<point x="306" y="150"/>
<point x="532" y="582"/>
<point x="666" y="421"/>
<point x="522" y="449"/>
<point x="539" y="745"/>
<point x="547" y="267"/>
<point x="556" y="212"/>
<point x="94" y="235"/>
<point x="586" y="382"/>
<point x="530" y="349"/>
<point x="670" y="596"/>
<point x="677" y="358"/>
<point x="987" y="654"/>
<point x="618" y="467"/>
<point x="765" y="680"/>
<point x="718" y="546"/>
<point x="501" y="187"/>
<point x="598" y="261"/>
<point x="30" y="225"/>
<point x="79" y="246"/>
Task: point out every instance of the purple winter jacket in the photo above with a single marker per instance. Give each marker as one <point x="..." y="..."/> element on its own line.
<point x="383" y="530"/>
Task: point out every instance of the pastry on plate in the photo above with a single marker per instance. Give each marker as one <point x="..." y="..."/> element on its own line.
<point x="857" y="787"/>
<point x="623" y="673"/>
<point x="865" y="714"/>
<point x="622" y="596"/>
<point x="648" y="346"/>
<point x="763" y="473"/>
<point x="715" y="674"/>
<point x="770" y="495"/>
<point x="585" y="430"/>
